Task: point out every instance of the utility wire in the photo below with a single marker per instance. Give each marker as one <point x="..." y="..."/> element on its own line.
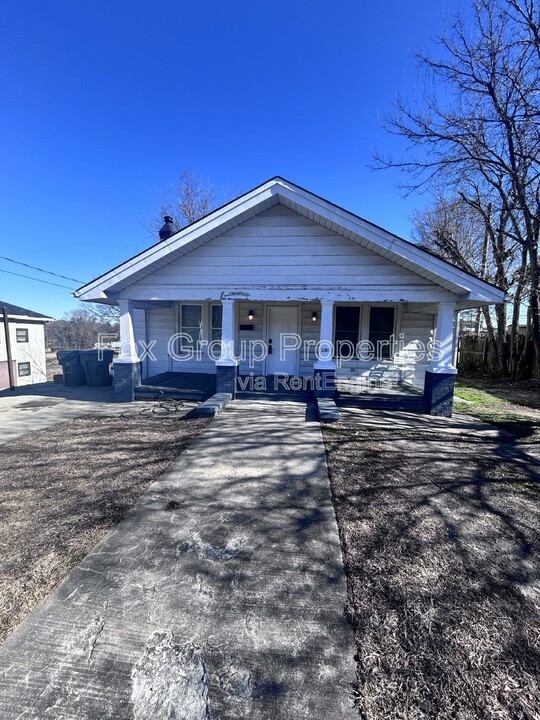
<point x="28" y="277"/>
<point x="33" y="267"/>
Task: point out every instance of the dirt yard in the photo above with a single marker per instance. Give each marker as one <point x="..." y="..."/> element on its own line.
<point x="441" y="543"/>
<point x="61" y="489"/>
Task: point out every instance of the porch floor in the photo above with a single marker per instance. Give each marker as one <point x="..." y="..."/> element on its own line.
<point x="178" y="385"/>
<point x="201" y="386"/>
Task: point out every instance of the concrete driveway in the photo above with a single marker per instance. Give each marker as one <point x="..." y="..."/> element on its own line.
<point x="35" y="407"/>
<point x="220" y="596"/>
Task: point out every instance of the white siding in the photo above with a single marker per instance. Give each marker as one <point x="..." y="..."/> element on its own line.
<point x="249" y="365"/>
<point x="417" y="329"/>
<point x="159" y="327"/>
<point x="280" y="248"/>
<point x="33" y="352"/>
<point x="310" y="331"/>
<point x="139" y="328"/>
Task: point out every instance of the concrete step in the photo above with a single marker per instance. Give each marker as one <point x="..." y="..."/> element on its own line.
<point x="213" y="405"/>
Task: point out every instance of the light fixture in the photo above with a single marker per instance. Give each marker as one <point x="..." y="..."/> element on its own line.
<point x="314" y="316"/>
<point x="250" y="315"/>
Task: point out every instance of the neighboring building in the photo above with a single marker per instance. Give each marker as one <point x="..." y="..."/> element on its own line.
<point x="280" y="262"/>
<point x="26" y="346"/>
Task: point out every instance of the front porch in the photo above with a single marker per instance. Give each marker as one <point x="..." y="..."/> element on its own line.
<point x="201" y="386"/>
<point x="291" y="350"/>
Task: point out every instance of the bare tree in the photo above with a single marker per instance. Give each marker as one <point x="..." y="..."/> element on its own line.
<point x="477" y="130"/>
<point x="79" y="329"/>
<point x="104" y="313"/>
<point x="193" y="199"/>
<point x="474" y="238"/>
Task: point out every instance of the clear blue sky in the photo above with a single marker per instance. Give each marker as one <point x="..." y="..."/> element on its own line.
<point x="103" y="103"/>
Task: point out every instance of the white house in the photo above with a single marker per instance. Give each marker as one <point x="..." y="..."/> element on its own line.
<point x="281" y="282"/>
<point x="22" y="346"/>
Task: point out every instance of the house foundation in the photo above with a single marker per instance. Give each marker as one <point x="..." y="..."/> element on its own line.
<point x="127" y="376"/>
<point x="439" y="393"/>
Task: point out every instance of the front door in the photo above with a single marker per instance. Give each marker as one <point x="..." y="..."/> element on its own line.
<point x="281" y="319"/>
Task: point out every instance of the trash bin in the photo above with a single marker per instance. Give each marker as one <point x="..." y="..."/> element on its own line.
<point x="96" y="365"/>
<point x="71" y="366"/>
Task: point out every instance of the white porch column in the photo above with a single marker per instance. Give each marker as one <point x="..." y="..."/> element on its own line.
<point x="443" y="349"/>
<point x="128" y="346"/>
<point x="441" y="375"/>
<point x="325" y="359"/>
<point x="227" y="335"/>
<point x="127" y="367"/>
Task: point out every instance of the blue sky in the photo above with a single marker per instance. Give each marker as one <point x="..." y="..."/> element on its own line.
<point x="104" y="102"/>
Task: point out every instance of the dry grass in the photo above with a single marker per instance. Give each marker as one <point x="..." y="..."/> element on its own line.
<point x="441" y="544"/>
<point x="61" y="489"/>
<point x="53" y="366"/>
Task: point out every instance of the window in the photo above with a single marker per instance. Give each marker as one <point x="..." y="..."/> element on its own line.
<point x="347" y="327"/>
<point x="381" y="329"/>
<point x="216" y="321"/>
<point x="24" y="369"/>
<point x="191" y="325"/>
<point x="22" y="335"/>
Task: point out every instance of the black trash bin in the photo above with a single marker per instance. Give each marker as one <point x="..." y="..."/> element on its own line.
<point x="96" y="365"/>
<point x="71" y="367"/>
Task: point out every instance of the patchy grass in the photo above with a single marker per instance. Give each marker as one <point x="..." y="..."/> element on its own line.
<point x="64" y="487"/>
<point x="514" y="392"/>
<point x="441" y="544"/>
<point x="512" y="406"/>
<point x="476" y="395"/>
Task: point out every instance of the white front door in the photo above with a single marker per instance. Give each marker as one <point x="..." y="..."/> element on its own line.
<point x="282" y="319"/>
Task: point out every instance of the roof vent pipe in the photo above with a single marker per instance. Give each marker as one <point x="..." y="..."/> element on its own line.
<point x="168" y="229"/>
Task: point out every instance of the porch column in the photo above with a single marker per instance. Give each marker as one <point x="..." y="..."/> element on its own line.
<point x="324" y="366"/>
<point x="227" y="365"/>
<point x="127" y="366"/>
<point x="441" y="374"/>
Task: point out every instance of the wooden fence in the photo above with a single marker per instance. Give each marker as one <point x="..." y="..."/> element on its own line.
<point x="474" y="355"/>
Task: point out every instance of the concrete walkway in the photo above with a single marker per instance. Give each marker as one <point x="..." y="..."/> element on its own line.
<point x="220" y="596"/>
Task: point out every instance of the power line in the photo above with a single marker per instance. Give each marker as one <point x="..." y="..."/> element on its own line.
<point x="28" y="277"/>
<point x="33" y="267"/>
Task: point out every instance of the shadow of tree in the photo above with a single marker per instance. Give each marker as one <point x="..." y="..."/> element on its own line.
<point x="441" y="538"/>
<point x="65" y="487"/>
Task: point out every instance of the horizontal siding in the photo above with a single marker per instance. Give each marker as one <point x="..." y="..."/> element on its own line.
<point x="159" y="328"/>
<point x="246" y="337"/>
<point x="310" y="331"/>
<point x="283" y="248"/>
<point x="417" y="330"/>
<point x="139" y="330"/>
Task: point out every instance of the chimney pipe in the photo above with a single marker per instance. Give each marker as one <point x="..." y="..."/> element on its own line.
<point x="167" y="230"/>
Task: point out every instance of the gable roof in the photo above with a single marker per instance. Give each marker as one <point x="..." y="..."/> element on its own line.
<point x="17" y="311"/>
<point x="315" y="208"/>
